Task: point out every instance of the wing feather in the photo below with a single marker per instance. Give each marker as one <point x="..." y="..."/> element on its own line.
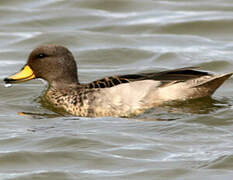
<point x="165" y="77"/>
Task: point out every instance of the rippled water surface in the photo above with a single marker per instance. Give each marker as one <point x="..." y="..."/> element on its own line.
<point x="187" y="141"/>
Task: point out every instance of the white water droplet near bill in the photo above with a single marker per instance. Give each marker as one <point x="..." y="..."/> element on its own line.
<point x="7" y="85"/>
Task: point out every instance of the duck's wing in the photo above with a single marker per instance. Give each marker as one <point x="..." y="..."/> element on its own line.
<point x="176" y="75"/>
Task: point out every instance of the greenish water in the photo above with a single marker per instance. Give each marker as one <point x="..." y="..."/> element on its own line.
<point x="187" y="141"/>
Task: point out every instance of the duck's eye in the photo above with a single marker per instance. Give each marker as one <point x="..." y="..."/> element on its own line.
<point x="41" y="55"/>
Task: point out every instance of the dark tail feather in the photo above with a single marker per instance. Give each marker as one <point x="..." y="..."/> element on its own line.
<point x="213" y="84"/>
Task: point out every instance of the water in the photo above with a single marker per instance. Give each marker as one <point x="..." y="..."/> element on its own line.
<point x="7" y="85"/>
<point x="189" y="140"/>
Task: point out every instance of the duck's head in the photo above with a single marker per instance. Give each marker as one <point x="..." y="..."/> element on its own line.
<point x="52" y="63"/>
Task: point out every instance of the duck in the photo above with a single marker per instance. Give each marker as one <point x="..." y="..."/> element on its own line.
<point x="116" y="96"/>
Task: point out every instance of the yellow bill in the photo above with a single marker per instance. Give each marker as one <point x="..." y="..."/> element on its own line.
<point x="24" y="75"/>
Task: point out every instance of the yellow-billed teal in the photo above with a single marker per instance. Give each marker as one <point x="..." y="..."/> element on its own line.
<point x="123" y="95"/>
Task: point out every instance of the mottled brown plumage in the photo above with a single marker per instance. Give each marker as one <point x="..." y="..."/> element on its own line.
<point x="123" y="95"/>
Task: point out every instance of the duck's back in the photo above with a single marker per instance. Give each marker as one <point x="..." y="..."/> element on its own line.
<point x="138" y="96"/>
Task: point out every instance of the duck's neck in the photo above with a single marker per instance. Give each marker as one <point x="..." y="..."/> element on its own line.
<point x="64" y="87"/>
